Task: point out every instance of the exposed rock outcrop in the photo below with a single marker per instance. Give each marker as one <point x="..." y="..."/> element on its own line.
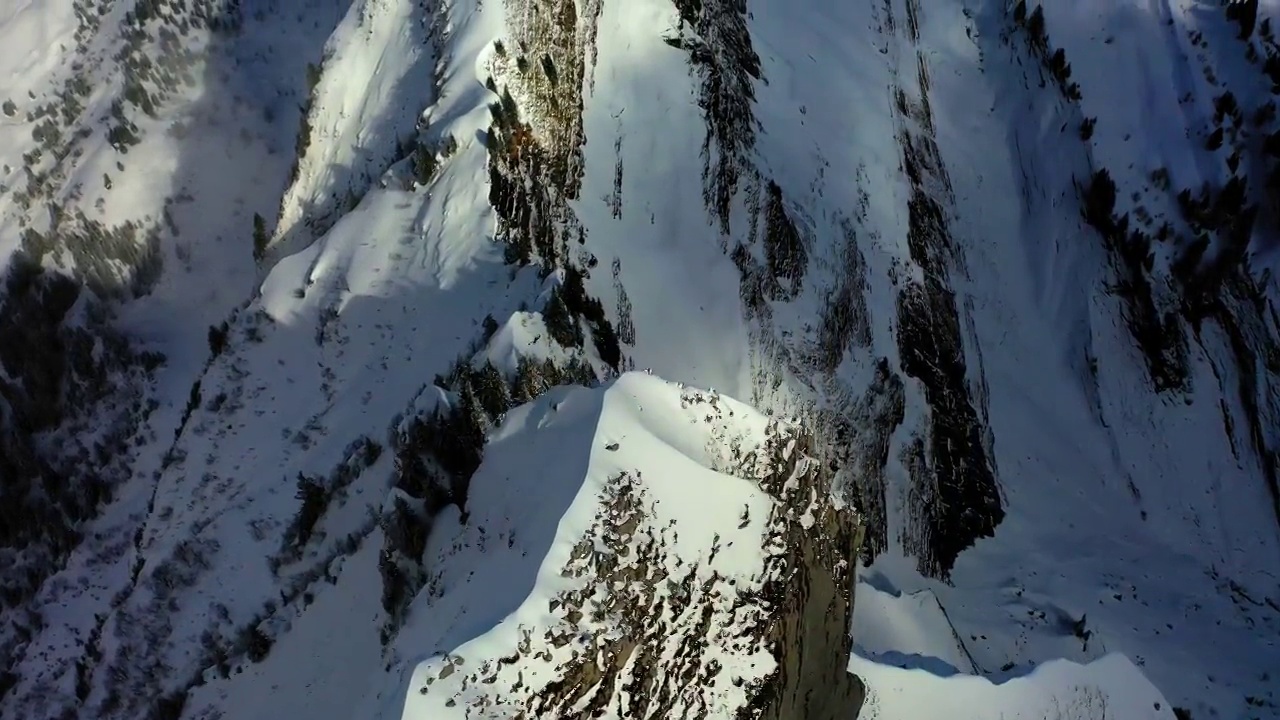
<point x="811" y="587"/>
<point x="650" y="624"/>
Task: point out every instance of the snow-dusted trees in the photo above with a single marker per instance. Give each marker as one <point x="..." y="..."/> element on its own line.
<point x="491" y="390"/>
<point x="1245" y="14"/>
<point x="784" y="247"/>
<point x="576" y="299"/>
<point x="1159" y="335"/>
<point x="1039" y="35"/>
<point x="438" y="452"/>
<point x="427" y="158"/>
<point x="314" y="497"/>
<point x="1055" y="61"/>
<point x="1086" y="128"/>
<point x="260" y="237"/>
<point x="436" y="455"/>
<point x="61" y="368"/>
<point x="561" y="323"/>
<point x="1100" y="201"/>
<point x="218" y="338"/>
<point x="404" y="530"/>
<point x="317" y="493"/>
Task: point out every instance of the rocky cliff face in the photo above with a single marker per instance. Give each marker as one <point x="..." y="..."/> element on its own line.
<point x="810" y="588"/>
<point x="807" y="600"/>
<point x="657" y="615"/>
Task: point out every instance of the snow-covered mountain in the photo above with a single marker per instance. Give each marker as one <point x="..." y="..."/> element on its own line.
<point x="326" y="323"/>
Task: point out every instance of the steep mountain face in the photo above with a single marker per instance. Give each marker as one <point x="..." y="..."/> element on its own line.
<point x="696" y="572"/>
<point x="322" y="320"/>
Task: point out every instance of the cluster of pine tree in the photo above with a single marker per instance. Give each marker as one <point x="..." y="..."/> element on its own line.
<point x="569" y="301"/>
<point x="62" y="369"/>
<point x="1245" y="14"/>
<point x="437" y="453"/>
<point x="1038" y="39"/>
<point x="1224" y="215"/>
<point x="535" y="225"/>
<point x="303" y="140"/>
<point x="99" y="251"/>
<point x="316" y="493"/>
<point x="1159" y="335"/>
<point x="427" y="157"/>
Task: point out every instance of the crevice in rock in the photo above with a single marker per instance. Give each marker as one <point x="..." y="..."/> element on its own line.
<point x="954" y="496"/>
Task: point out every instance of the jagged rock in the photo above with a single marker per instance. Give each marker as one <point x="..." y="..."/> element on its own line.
<point x="656" y="613"/>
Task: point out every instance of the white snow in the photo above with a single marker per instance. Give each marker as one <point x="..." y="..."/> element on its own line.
<point x="36" y="35"/>
<point x="1106" y="689"/>
<point x="665" y="240"/>
<point x="909" y="629"/>
<point x="541" y="492"/>
<point x="377" y="76"/>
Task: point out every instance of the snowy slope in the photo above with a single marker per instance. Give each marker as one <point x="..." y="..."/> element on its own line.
<point x="612" y="515"/>
<point x="603" y="516"/>
<point x="1082" y="445"/>
<point x="1107" y="688"/>
<point x="366" y="481"/>
<point x="392" y="45"/>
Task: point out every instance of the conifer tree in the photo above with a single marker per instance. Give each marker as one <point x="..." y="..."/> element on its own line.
<point x="260" y="237"/>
